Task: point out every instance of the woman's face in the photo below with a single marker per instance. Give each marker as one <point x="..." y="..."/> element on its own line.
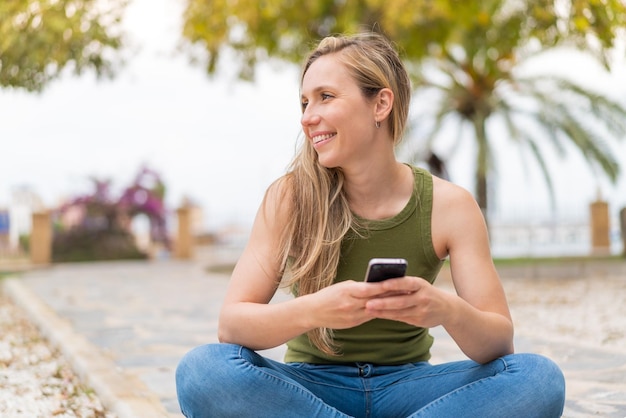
<point x="336" y="117"/>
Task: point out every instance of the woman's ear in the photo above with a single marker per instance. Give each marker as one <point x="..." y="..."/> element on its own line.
<point x="384" y="104"/>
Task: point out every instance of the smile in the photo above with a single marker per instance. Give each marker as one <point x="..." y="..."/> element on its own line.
<point x="319" y="138"/>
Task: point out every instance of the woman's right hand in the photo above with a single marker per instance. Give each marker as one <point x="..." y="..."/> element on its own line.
<point x="341" y="305"/>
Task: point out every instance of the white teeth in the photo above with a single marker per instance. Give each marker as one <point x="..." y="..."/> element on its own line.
<point x="320" y="138"/>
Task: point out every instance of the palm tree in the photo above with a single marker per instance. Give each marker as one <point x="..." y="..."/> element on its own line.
<point x="477" y="82"/>
<point x="468" y="51"/>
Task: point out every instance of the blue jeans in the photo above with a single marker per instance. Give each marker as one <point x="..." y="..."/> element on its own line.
<point x="225" y="380"/>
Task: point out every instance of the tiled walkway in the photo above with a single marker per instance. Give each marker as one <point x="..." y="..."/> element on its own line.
<point x="125" y="326"/>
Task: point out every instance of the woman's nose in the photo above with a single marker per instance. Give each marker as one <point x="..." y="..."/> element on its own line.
<point x="309" y="117"/>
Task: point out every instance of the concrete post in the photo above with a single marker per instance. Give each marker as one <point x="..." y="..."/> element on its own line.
<point x="183" y="244"/>
<point x="622" y="225"/>
<point x="600" y="228"/>
<point x="41" y="238"/>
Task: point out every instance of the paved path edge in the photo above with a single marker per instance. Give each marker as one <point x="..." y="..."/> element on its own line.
<point x="119" y="391"/>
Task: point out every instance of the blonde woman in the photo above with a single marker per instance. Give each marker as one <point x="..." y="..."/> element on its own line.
<point x="356" y="348"/>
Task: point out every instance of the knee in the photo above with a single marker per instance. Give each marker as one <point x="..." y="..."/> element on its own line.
<point x="199" y="372"/>
<point x="189" y="364"/>
<point x="190" y="373"/>
<point x="547" y="372"/>
<point x="546" y="379"/>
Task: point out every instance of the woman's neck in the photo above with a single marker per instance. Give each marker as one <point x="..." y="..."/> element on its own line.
<point x="379" y="192"/>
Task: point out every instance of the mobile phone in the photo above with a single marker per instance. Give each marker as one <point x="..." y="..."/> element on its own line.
<point x="379" y="269"/>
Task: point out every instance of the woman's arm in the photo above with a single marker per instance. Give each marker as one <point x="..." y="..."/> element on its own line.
<point x="477" y="317"/>
<point x="248" y="319"/>
<point x="479" y="321"/>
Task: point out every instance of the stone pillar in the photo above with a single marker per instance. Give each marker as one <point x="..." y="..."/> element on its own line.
<point x="622" y="225"/>
<point x="41" y="238"/>
<point x="183" y="244"/>
<point x="600" y="228"/>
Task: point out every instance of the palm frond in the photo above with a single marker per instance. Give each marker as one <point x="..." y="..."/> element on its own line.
<point x="580" y="118"/>
<point x="536" y="151"/>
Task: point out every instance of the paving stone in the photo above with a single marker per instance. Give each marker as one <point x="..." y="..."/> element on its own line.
<point x="146" y="315"/>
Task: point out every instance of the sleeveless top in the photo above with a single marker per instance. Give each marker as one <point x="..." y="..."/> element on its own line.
<point x="405" y="235"/>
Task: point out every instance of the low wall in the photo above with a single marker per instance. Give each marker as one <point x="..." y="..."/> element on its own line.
<point x="566" y="268"/>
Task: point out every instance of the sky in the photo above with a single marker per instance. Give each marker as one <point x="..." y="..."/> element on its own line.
<point x="219" y="141"/>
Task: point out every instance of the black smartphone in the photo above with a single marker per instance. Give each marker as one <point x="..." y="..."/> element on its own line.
<point x="379" y="269"/>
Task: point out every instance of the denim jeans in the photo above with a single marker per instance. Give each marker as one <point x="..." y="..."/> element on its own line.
<point x="225" y="380"/>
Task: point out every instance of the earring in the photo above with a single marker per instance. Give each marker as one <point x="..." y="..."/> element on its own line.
<point x="378" y="124"/>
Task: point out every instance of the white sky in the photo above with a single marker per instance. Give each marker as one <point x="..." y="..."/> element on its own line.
<point x="218" y="141"/>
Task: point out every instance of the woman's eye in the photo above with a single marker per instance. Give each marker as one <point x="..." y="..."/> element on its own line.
<point x="326" y="96"/>
<point x="303" y="105"/>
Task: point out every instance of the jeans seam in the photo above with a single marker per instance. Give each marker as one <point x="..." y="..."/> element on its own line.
<point x="292" y="374"/>
<point x="293" y="385"/>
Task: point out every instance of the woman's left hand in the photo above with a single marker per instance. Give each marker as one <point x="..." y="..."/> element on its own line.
<point x="412" y="300"/>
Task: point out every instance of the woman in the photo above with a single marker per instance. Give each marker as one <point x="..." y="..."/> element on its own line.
<point x="356" y="348"/>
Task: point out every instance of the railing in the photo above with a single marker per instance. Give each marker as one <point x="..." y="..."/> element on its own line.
<point x="9" y="252"/>
<point x="40" y="242"/>
<point x="508" y="239"/>
<point x="12" y="257"/>
<point x="592" y="233"/>
<point x="540" y="240"/>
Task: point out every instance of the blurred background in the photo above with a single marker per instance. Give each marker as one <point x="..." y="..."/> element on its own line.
<point x="115" y="114"/>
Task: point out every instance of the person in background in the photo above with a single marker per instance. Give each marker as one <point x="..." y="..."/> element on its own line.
<point x="354" y="348"/>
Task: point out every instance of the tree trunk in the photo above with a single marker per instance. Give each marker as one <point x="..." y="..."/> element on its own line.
<point x="482" y="164"/>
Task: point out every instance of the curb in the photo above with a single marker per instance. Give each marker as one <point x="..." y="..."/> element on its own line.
<point x="119" y="391"/>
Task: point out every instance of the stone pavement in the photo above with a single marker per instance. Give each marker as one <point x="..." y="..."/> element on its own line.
<point x="125" y="325"/>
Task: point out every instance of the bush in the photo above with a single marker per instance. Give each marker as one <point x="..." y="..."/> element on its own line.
<point x="96" y="226"/>
<point x="80" y="244"/>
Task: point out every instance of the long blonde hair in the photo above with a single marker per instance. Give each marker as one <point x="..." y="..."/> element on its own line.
<point x="320" y="214"/>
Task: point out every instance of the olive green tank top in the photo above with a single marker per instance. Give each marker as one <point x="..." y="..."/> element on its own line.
<point x="406" y="235"/>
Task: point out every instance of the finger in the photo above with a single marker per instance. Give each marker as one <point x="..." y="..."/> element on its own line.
<point x="396" y="301"/>
<point x="403" y="284"/>
<point x="369" y="290"/>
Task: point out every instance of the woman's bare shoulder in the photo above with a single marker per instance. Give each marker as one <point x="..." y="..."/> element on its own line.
<point x="456" y="216"/>
<point x="278" y="197"/>
<point x="449" y="195"/>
